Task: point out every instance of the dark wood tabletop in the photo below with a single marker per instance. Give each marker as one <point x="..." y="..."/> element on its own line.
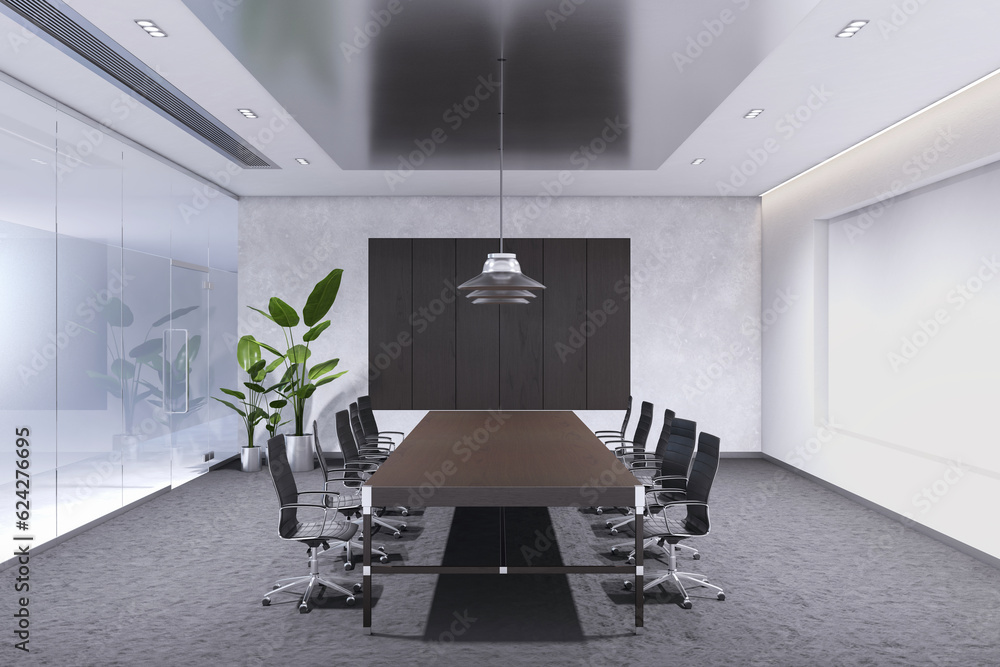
<point x="510" y="459"/>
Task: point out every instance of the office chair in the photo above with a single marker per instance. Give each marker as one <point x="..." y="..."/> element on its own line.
<point x="368" y="420"/>
<point x="620" y="433"/>
<point x="671" y="483"/>
<point x="316" y="535"/>
<point x="367" y="447"/>
<point x="628" y="449"/>
<point x="351" y="479"/>
<point x="368" y="458"/>
<point x="669" y="528"/>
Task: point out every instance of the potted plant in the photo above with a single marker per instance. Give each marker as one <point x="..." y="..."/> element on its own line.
<point x="301" y="379"/>
<point x="250" y="410"/>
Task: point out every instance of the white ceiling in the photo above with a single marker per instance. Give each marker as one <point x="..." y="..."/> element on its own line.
<point x="899" y="63"/>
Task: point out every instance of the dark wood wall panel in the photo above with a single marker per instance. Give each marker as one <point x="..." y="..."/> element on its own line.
<point x="390" y="360"/>
<point x="521" y="340"/>
<point x="608" y="346"/>
<point x="477" y="375"/>
<point x="565" y="349"/>
<point x="433" y="321"/>
<point x="429" y="347"/>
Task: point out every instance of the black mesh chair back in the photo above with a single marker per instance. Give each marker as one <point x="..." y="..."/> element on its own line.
<point x="678" y="449"/>
<point x="668" y="421"/>
<point x="346" y="436"/>
<point x="284" y="484"/>
<point x="703" y="470"/>
<point x="359" y="431"/>
<point x="628" y="414"/>
<point x="319" y="451"/>
<point x="643" y="426"/>
<point x="367" y="415"/>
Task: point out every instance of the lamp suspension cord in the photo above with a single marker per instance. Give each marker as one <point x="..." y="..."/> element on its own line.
<point x="502" y="61"/>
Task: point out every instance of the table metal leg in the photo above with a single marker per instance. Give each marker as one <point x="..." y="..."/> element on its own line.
<point x="366" y="590"/>
<point x="638" y="569"/>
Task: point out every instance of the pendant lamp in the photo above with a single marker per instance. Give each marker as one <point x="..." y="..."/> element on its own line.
<point x="501" y="280"/>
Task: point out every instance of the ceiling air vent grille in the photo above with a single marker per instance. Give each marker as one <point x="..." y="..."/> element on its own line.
<point x="97" y="50"/>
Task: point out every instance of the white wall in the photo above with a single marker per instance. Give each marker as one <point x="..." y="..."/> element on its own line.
<point x="695" y="277"/>
<point x="914" y="438"/>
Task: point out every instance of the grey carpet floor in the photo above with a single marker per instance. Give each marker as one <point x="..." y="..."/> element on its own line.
<point x="811" y="578"/>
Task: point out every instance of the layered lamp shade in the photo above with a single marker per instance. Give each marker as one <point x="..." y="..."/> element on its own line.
<point x="501" y="280"/>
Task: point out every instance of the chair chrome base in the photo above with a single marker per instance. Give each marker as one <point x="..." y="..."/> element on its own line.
<point x="679" y="578"/>
<point x="311" y="580"/>
<point x="377" y="552"/>
<point x="648" y="546"/>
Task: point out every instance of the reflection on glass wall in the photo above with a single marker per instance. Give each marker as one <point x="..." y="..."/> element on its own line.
<point x="124" y="300"/>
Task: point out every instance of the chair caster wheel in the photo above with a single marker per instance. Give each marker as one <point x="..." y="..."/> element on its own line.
<point x="608" y="524"/>
<point x="348" y="566"/>
<point x="630" y="560"/>
<point x="275" y="587"/>
<point x="397" y="535"/>
<point x="303" y="608"/>
<point x="614" y="531"/>
<point x="686" y="604"/>
<point x="350" y="601"/>
<point x="357" y="588"/>
<point x="599" y="511"/>
<point x="266" y="602"/>
<point x="614" y="551"/>
<point x="380" y="547"/>
<point x="402" y="527"/>
<point x="404" y="512"/>
<point x="628" y="585"/>
<point x="720" y="596"/>
<point x="383" y="559"/>
<point x="696" y="556"/>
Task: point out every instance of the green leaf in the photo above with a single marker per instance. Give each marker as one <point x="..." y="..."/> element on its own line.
<point x="257" y="372"/>
<point x="267" y="315"/>
<point x="329" y="378"/>
<point x="274" y="364"/>
<point x="194" y="345"/>
<point x="298" y="354"/>
<point x="278" y="404"/>
<point x="235" y="394"/>
<point x="271" y="350"/>
<point x="123" y="369"/>
<point x="314" y="333"/>
<point x="174" y="315"/>
<point x="111" y="385"/>
<point x="256" y="415"/>
<point x="248" y="352"/>
<point x="118" y="314"/>
<point x="319" y="370"/>
<point x="282" y="314"/>
<point x="154" y="390"/>
<point x="321" y="298"/>
<point x="228" y="404"/>
<point x="289" y="374"/>
<point x="253" y="386"/>
<point x="150" y="348"/>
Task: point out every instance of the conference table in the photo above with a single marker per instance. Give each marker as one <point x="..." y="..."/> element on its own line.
<point x="502" y="459"/>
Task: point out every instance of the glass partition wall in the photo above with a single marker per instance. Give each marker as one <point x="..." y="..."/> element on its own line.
<point x="120" y="283"/>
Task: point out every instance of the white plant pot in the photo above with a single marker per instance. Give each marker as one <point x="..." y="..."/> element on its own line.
<point x="300" y="452"/>
<point x="250" y="459"/>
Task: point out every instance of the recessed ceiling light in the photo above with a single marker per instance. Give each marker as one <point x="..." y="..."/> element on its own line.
<point x="698" y="160"/>
<point x="302" y="160"/>
<point x="852" y="28"/>
<point x="753" y="113"/>
<point x="247" y="113"/>
<point x="34" y="159"/>
<point x="151" y="28"/>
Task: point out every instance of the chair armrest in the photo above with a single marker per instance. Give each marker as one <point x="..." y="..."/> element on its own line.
<point x="392" y="432"/>
<point x="380" y="451"/>
<point x="608" y="432"/>
<point x="363" y="465"/>
<point x="665" y="478"/>
<point x="647" y="462"/>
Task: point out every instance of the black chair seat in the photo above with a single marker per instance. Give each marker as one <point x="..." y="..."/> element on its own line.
<point x="340" y="530"/>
